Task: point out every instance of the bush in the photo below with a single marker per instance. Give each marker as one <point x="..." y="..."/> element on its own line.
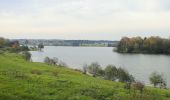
<point x="111" y="72"/>
<point x="85" y="67"/>
<point x="157" y="79"/>
<point x="24" y="48"/>
<point x="124" y="76"/>
<point x="138" y="86"/>
<point x="50" y="61"/>
<point x="127" y="86"/>
<point x="54" y="61"/>
<point x="26" y="55"/>
<point x="40" y="46"/>
<point x="47" y="60"/>
<point x="101" y="72"/>
<point x="94" y="68"/>
<point x="62" y="64"/>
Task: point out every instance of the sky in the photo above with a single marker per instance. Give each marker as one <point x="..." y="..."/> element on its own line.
<point x="84" y="19"/>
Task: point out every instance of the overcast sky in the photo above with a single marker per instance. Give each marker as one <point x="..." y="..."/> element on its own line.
<point x="84" y="19"/>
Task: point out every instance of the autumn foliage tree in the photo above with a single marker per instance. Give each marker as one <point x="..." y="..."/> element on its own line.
<point x="153" y="44"/>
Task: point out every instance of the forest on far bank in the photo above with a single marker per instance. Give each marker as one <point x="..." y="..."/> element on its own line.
<point x="153" y="45"/>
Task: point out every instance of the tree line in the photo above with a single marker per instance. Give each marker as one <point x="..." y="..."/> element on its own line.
<point x="54" y="61"/>
<point x="113" y="73"/>
<point x="153" y="44"/>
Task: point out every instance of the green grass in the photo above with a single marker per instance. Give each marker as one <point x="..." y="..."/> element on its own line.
<point x="22" y="80"/>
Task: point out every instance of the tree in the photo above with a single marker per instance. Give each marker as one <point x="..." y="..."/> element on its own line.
<point x="111" y="72"/>
<point x="24" y="48"/>
<point x="47" y="60"/>
<point x="55" y="60"/>
<point x="138" y="86"/>
<point x="124" y="76"/>
<point x="15" y="45"/>
<point x="40" y="46"/>
<point x="163" y="84"/>
<point x="153" y="44"/>
<point x="26" y="42"/>
<point x="101" y="72"/>
<point x="51" y="61"/>
<point x="26" y="55"/>
<point x="123" y="45"/>
<point x="157" y="79"/>
<point x="85" y="67"/>
<point x="62" y="64"/>
<point x="94" y="68"/>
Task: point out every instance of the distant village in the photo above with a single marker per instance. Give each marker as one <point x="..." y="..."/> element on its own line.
<point x="57" y="42"/>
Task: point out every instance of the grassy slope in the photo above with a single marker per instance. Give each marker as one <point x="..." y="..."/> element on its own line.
<point x="21" y="80"/>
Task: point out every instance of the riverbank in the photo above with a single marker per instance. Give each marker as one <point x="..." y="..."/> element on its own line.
<point x="22" y="80"/>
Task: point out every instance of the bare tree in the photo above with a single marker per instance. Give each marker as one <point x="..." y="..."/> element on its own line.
<point x="85" y="67"/>
<point x="111" y="72"/>
<point x="94" y="68"/>
<point x="157" y="79"/>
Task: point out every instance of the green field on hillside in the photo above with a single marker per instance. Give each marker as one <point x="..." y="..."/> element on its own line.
<point x="22" y="80"/>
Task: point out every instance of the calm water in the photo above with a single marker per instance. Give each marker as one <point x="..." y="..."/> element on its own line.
<point x="139" y="65"/>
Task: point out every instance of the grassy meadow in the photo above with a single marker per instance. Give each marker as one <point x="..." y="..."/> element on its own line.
<point x="23" y="80"/>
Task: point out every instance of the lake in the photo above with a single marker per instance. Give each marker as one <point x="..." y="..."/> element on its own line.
<point x="139" y="65"/>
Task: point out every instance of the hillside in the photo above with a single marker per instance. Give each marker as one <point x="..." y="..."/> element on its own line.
<point x="22" y="80"/>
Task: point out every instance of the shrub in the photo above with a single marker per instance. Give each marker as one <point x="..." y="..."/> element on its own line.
<point x="26" y="55"/>
<point x="94" y="68"/>
<point x="62" y="64"/>
<point x="127" y="86"/>
<point x="24" y="48"/>
<point x="157" y="79"/>
<point x="54" y="61"/>
<point x="50" y="61"/>
<point x="111" y="72"/>
<point x="40" y="46"/>
<point x="138" y="86"/>
<point x="101" y="72"/>
<point x="124" y="76"/>
<point x="47" y="60"/>
<point x="85" y="67"/>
